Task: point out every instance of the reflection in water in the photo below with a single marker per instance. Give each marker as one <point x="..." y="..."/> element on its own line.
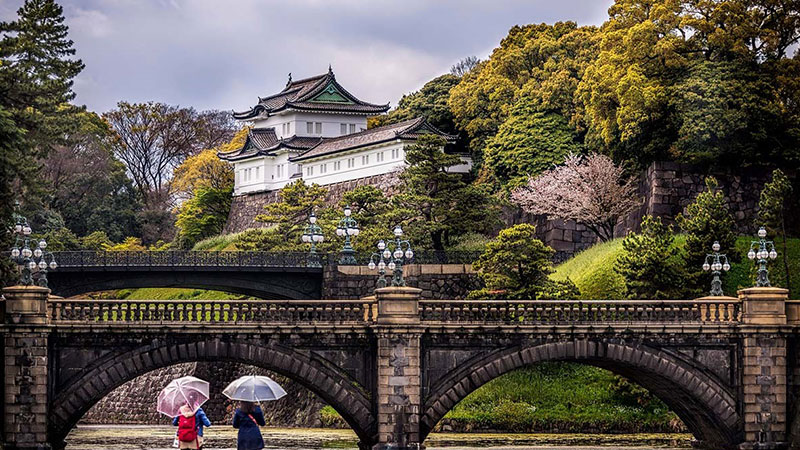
<point x="133" y="437"/>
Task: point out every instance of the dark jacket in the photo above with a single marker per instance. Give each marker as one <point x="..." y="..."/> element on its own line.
<point x="249" y="433"/>
<point x="200" y="421"/>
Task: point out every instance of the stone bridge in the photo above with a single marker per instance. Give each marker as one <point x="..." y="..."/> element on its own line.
<point x="393" y="365"/>
<point x="268" y="275"/>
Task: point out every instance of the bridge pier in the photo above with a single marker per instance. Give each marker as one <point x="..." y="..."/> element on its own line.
<point x="25" y="385"/>
<point x="399" y="373"/>
<point x="764" y="368"/>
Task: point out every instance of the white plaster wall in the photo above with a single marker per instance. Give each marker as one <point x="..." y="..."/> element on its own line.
<point x="359" y="169"/>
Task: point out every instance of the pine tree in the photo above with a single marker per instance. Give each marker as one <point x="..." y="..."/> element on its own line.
<point x="772" y="206"/>
<point x="36" y="73"/>
<point x="517" y="265"/>
<point x="440" y="204"/>
<point x="651" y="264"/>
<point x="706" y="220"/>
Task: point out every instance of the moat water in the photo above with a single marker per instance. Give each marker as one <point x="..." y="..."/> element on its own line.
<point x="130" y="437"/>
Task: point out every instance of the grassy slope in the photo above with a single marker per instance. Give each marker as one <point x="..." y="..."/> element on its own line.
<point x="592" y="270"/>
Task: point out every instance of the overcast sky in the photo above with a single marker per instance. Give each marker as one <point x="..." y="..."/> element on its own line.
<point x="222" y="54"/>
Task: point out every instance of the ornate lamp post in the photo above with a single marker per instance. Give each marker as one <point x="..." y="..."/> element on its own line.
<point x="313" y="235"/>
<point x="397" y="253"/>
<point x="765" y="249"/>
<point x="380" y="265"/>
<point x="347" y="227"/>
<point x="31" y="257"/>
<point x="716" y="262"/>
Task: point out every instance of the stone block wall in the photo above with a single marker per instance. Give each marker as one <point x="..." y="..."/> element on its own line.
<point x="437" y="281"/>
<point x="245" y="208"/>
<point x="765" y="389"/>
<point x="135" y="401"/>
<point x="665" y="187"/>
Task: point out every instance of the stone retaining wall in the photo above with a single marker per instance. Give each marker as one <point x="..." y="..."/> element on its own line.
<point x="135" y="401"/>
<point x="665" y="187"/>
<point x="245" y="208"/>
<point x="437" y="281"/>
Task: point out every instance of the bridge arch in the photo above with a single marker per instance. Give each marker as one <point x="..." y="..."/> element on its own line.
<point x="334" y="386"/>
<point x="702" y="402"/>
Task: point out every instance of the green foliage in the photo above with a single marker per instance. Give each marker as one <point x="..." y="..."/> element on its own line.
<point x="374" y="214"/>
<point x="772" y="206"/>
<point x="516" y="265"/>
<point x="651" y="263"/>
<point x="9" y="140"/>
<point x="705" y="221"/>
<point x="742" y="274"/>
<point x="592" y="271"/>
<point x="544" y="61"/>
<point x="288" y="218"/>
<point x="61" y="239"/>
<point x="429" y="102"/>
<point x="684" y="80"/>
<point x="203" y="215"/>
<point x="222" y="242"/>
<point x="561" y="396"/>
<point x="438" y="204"/>
<point x="129" y="244"/>
<point x="97" y="240"/>
<point x="529" y="142"/>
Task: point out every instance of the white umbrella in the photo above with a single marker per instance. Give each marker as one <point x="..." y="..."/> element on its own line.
<point x="254" y="388"/>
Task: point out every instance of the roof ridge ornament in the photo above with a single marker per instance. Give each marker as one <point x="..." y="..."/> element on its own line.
<point x="290" y="79"/>
<point x="330" y="69"/>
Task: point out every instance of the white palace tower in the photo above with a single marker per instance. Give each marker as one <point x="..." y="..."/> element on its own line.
<point x="315" y="130"/>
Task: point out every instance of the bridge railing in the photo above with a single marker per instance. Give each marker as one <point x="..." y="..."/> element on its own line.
<point x="176" y="258"/>
<point x="281" y="312"/>
<point x="519" y="312"/>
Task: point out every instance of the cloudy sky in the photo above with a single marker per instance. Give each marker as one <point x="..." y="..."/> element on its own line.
<point x="222" y="54"/>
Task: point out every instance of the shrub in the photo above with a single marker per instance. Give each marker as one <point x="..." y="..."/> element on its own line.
<point x="96" y="240"/>
<point x="516" y="265"/>
<point x="651" y="263"/>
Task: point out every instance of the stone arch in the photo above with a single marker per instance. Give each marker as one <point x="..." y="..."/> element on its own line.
<point x="704" y="404"/>
<point x="334" y="386"/>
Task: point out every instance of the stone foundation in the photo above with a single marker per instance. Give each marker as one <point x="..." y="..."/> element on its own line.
<point x="245" y="208"/>
<point x="666" y="189"/>
<point x="437" y="281"/>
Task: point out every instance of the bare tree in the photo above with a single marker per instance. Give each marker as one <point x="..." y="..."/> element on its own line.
<point x="590" y="190"/>
<point x="152" y="139"/>
<point x="464" y="66"/>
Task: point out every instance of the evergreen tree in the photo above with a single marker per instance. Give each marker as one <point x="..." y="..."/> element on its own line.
<point x="517" y="265"/>
<point x="651" y="263"/>
<point x="705" y="221"/>
<point x="36" y="74"/>
<point x="10" y="137"/>
<point x="529" y="142"/>
<point x="772" y="206"/>
<point x="439" y="203"/>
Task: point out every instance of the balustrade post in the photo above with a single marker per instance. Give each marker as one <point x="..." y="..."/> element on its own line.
<point x="765" y="369"/>
<point x="398" y="364"/>
<point x="26" y="377"/>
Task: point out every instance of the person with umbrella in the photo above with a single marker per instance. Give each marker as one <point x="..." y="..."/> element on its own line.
<point x="249" y="417"/>
<point x="184" y="421"/>
<point x="181" y="401"/>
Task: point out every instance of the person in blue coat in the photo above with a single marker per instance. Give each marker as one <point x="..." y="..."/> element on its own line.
<point x="200" y="421"/>
<point x="247" y="419"/>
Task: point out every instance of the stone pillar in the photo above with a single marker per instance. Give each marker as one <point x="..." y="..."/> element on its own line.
<point x="25" y="387"/>
<point x="399" y="376"/>
<point x="764" y="366"/>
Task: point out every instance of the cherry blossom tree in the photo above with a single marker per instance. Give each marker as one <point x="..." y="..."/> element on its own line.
<point x="590" y="190"/>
